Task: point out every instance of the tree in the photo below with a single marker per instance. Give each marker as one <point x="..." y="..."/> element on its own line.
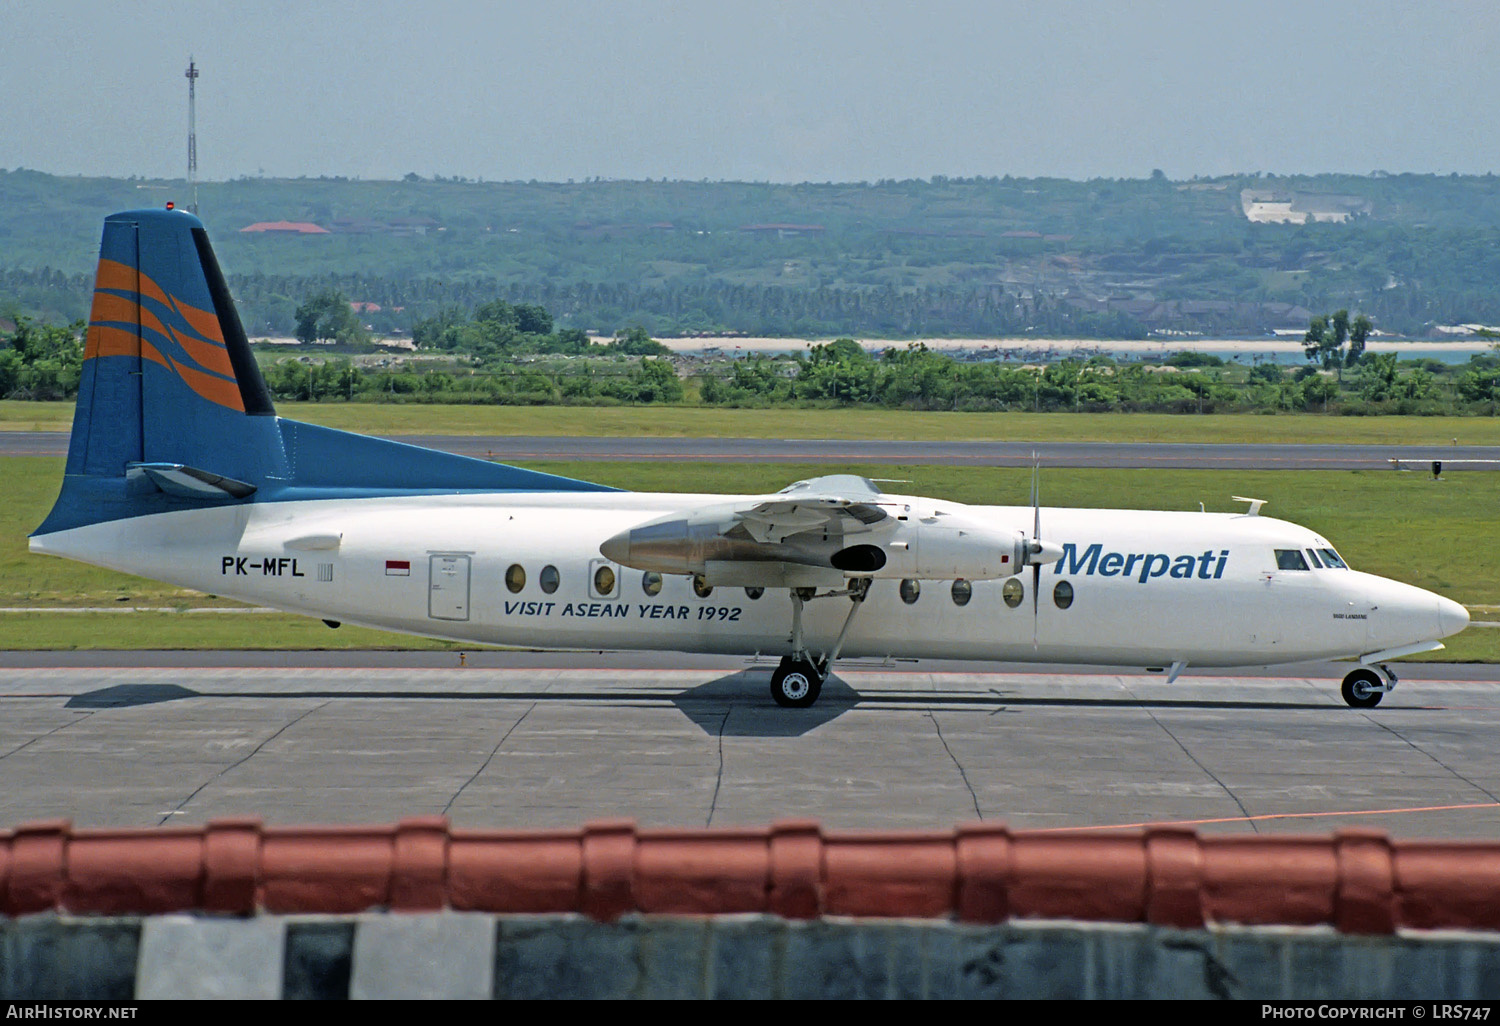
<point x="1358" y="332"/>
<point x="1315" y="341"/>
<point x="38" y="340"/>
<point x="328" y="316"/>
<point x="635" y="342"/>
<point x="440" y="332"/>
<point x="532" y="319"/>
<point x="1481" y="385"/>
<point x="1326" y="335"/>
<point x="840" y="350"/>
<point x="10" y="371"/>
<point x="44" y="361"/>
<point x="1378" y="380"/>
<point x="497" y="311"/>
<point x="1318" y="390"/>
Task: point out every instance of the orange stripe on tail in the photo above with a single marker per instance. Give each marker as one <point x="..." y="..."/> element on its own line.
<point x="122" y="277"/>
<point x="107" y="341"/>
<point x="215" y="390"/>
<point x="204" y="354"/>
<point x="110" y="307"/>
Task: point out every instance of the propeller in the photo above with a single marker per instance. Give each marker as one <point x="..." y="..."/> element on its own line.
<point x="1038" y="551"/>
<point x="1035" y="546"/>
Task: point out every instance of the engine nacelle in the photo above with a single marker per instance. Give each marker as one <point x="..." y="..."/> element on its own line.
<point x="937" y="548"/>
<point x="942" y="547"/>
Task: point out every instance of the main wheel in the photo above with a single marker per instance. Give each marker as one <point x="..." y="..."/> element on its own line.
<point x="796" y="684"/>
<point x="1362" y="689"/>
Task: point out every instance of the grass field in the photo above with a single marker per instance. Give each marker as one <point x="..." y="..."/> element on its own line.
<point x="697" y="422"/>
<point x="1404" y="526"/>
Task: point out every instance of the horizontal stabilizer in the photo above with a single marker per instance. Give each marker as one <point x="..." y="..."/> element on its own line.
<point x="190" y="482"/>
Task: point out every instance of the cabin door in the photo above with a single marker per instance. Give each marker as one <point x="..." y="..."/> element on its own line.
<point x="448" y="588"/>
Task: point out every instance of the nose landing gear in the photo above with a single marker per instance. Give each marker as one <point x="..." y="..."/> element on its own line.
<point x="1364" y="688"/>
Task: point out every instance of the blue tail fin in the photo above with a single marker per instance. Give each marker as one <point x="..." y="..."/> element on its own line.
<point x="173" y="412"/>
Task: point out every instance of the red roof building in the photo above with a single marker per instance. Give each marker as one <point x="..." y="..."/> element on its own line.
<point x="286" y="228"/>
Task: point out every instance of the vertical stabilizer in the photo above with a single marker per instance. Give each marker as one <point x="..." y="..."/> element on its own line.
<point x="173" y="412"/>
<point x="168" y="376"/>
<point x="167" y="370"/>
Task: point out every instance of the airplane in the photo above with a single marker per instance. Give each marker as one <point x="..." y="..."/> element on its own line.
<point x="179" y="469"/>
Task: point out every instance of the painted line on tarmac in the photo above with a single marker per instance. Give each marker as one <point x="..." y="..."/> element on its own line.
<point x="1271" y="816"/>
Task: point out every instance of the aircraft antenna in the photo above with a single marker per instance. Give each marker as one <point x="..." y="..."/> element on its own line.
<point x="192" y="154"/>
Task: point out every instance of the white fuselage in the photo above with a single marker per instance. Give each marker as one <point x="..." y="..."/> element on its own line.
<point x="1148" y="588"/>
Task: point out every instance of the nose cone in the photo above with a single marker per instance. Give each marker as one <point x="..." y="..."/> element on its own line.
<point x="617" y="549"/>
<point x="1452" y="617"/>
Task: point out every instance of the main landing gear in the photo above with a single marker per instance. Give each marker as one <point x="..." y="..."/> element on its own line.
<point x="796" y="683"/>
<point x="798" y="680"/>
<point x="1364" y="688"/>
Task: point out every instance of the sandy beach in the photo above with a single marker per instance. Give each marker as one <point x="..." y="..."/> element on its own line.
<point x="1046" y="349"/>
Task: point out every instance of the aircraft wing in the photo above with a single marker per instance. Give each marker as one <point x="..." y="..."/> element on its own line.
<point x="796" y="525"/>
<point x="844" y="503"/>
<point x="839" y="522"/>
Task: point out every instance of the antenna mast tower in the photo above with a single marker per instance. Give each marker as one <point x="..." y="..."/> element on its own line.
<point x="192" y="76"/>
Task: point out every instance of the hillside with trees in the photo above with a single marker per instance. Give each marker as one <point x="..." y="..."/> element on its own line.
<point x="976" y="257"/>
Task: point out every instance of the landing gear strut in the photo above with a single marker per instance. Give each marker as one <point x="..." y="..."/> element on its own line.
<point x="798" y="680"/>
<point x="1364" y="688"/>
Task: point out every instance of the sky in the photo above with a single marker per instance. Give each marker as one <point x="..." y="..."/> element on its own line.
<point x="754" y="90"/>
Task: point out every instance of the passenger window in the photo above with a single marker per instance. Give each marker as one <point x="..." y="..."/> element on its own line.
<point x="1290" y="559"/>
<point x="515" y="578"/>
<point x="604" y="582"/>
<point x="910" y="591"/>
<point x="701" y="587"/>
<point x="548" y="578"/>
<point x="1063" y="594"/>
<point x="651" y="582"/>
<point x="1313" y="555"/>
<point x="962" y="592"/>
<point x="1013" y="592"/>
<point x="1332" y="559"/>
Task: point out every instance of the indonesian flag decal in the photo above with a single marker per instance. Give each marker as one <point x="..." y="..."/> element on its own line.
<point x="398" y="568"/>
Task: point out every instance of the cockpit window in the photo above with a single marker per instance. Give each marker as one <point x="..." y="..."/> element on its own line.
<point x="1312" y="554"/>
<point x="1331" y="558"/>
<point x="1290" y="559"/>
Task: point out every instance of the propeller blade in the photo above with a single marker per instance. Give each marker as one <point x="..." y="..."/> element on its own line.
<point x="1036" y="496"/>
<point x="1036" y="584"/>
<point x="1036" y="545"/>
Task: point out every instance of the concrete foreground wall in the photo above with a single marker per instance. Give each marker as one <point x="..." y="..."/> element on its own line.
<point x="480" y="955"/>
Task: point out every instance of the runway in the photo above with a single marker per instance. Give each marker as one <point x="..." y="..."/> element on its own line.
<point x="539" y="739"/>
<point x="1168" y="456"/>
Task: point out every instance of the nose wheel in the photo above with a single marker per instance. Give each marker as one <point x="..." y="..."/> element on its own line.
<point x="1364" y="688"/>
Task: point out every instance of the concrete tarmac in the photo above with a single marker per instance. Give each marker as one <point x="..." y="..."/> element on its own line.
<point x="544" y="739"/>
<point x="1170" y="456"/>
